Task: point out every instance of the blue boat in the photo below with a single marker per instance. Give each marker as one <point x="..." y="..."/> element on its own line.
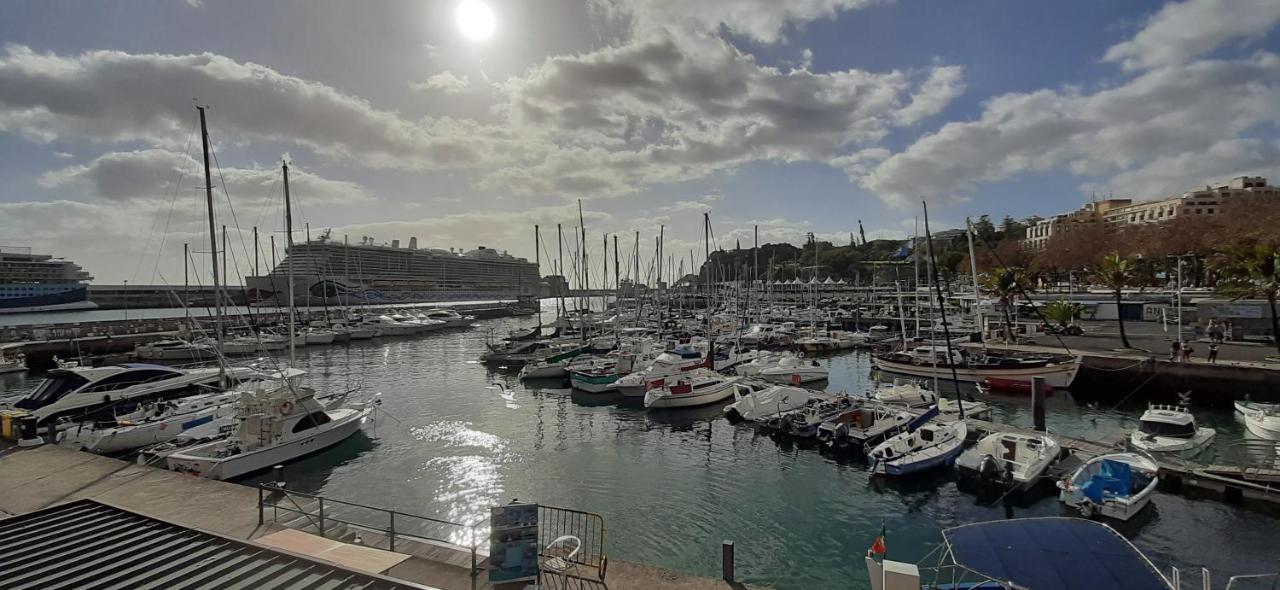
<point x="924" y="445"/>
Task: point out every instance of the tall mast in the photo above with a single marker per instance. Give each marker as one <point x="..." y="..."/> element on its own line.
<point x="255" y="252"/>
<point x="942" y="307"/>
<point x="560" y="264"/>
<point x="973" y="269"/>
<point x="617" y="284"/>
<point x="288" y="222"/>
<point x="586" y="274"/>
<point x="226" y="278"/>
<point x="213" y="243"/>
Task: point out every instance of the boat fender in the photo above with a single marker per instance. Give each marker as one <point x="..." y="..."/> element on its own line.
<point x="1086" y="509"/>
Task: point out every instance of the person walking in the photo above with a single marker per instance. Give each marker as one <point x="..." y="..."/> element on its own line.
<point x="1186" y="352"/>
<point x="1213" y="330"/>
<point x="1174" y="348"/>
<point x="1213" y="352"/>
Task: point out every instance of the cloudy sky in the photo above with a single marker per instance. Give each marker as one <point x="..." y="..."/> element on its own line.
<point x="797" y="115"/>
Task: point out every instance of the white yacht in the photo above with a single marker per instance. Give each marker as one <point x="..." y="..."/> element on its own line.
<point x="670" y="363"/>
<point x="151" y="423"/>
<point x="451" y="318"/>
<point x="1117" y="486"/>
<point x="699" y="387"/>
<point x="794" y="370"/>
<point x="386" y="326"/>
<point x="760" y="360"/>
<point x="275" y="427"/>
<point x="1020" y="459"/>
<point x="1170" y="429"/>
<point x="760" y="405"/>
<point x="1262" y="420"/>
<point x="83" y="393"/>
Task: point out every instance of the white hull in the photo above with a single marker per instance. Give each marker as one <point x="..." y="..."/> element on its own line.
<point x="1260" y="422"/>
<point x="804" y="375"/>
<point x="127" y="438"/>
<point x="1169" y="444"/>
<point x="1058" y="376"/>
<point x="234" y="466"/>
<point x="716" y="393"/>
<point x="1120" y="508"/>
<point x="760" y="405"/>
<point x="544" y="371"/>
<point x="79" y="305"/>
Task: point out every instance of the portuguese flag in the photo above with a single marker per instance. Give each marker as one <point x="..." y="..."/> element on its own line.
<point x="879" y="547"/>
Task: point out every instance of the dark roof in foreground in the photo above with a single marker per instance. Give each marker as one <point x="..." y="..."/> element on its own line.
<point x="1052" y="554"/>
<point x="88" y="544"/>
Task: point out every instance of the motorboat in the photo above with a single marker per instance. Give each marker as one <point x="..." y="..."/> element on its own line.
<point x="89" y="393"/>
<point x="1262" y="420"/>
<point x="451" y="318"/>
<point x="758" y="406"/>
<point x="597" y="376"/>
<point x="699" y="387"/>
<point x="172" y="350"/>
<point x="1166" y="428"/>
<point x="151" y="423"/>
<point x="760" y="360"/>
<point x="862" y="428"/>
<point x="909" y="393"/>
<point x="316" y="336"/>
<point x="354" y="332"/>
<point x="766" y="335"/>
<point x="1117" y="485"/>
<point x="972" y="408"/>
<point x="795" y="370"/>
<point x="832" y="341"/>
<point x="1016" y="458"/>
<point x="924" y="445"/>
<point x="386" y="326"/>
<point x="275" y="426"/>
<point x="519" y="353"/>
<point x="805" y="422"/>
<point x="12" y="359"/>
<point x="555" y="366"/>
<point x="1037" y="552"/>
<point x="1058" y="371"/>
<point x="675" y="361"/>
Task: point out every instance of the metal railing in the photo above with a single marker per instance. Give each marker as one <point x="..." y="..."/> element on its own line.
<point x="588" y="527"/>
<point x="326" y="514"/>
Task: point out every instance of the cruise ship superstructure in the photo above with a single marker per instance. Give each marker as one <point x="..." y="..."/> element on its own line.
<point x="330" y="272"/>
<point x="39" y="282"/>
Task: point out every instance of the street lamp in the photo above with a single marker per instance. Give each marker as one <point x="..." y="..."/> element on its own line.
<point x="126" y="300"/>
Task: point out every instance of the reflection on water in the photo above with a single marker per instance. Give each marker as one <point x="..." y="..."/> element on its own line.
<point x="672" y="484"/>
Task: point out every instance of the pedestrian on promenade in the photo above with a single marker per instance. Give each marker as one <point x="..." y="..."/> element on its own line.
<point x="1186" y="352"/>
<point x="1214" y="330"/>
<point x="1213" y="352"/>
<point x="1174" y="348"/>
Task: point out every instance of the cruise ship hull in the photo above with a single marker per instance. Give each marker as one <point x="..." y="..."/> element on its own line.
<point x="71" y="299"/>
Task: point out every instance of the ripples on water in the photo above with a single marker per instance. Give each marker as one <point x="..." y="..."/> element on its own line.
<point x="672" y="485"/>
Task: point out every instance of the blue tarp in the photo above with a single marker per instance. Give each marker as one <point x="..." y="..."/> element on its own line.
<point x="1114" y="478"/>
<point x="1052" y="554"/>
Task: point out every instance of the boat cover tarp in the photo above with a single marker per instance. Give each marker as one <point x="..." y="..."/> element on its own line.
<point x="1052" y="554"/>
<point x="1114" y="478"/>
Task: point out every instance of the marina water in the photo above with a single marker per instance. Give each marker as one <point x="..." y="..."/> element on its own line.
<point x="672" y="485"/>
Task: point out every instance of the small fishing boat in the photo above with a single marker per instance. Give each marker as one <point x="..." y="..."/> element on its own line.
<point x="10" y="361"/>
<point x="761" y="405"/>
<point x="863" y="428"/>
<point x="1017" y="459"/>
<point x="699" y="387"/>
<point x="804" y="423"/>
<point x="795" y="370"/>
<point x="551" y="367"/>
<point x="924" y="445"/>
<point x="1118" y="485"/>
<point x="1262" y="420"/>
<point x="909" y="394"/>
<point x="1166" y="428"/>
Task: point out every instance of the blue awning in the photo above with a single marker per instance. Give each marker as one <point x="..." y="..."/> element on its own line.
<point x="1052" y="554"/>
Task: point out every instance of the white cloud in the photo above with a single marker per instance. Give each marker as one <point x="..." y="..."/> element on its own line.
<point x="1171" y="112"/>
<point x="1180" y="31"/>
<point x="446" y="82"/>
<point x="762" y="20"/>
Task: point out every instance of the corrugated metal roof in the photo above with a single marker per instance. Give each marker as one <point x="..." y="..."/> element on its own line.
<point x="88" y="544"/>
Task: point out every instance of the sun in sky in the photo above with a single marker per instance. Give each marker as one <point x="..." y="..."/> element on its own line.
<point x="475" y="20"/>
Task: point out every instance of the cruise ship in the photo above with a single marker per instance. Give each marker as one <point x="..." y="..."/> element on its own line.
<point x="39" y="282"/>
<point x="334" y="273"/>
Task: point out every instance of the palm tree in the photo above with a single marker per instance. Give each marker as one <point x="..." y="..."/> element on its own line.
<point x="1062" y="311"/>
<point x="1117" y="272"/>
<point x="1005" y="283"/>
<point x="1252" y="270"/>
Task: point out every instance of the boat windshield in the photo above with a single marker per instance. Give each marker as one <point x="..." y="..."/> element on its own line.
<point x="51" y="390"/>
<point x="1187" y="430"/>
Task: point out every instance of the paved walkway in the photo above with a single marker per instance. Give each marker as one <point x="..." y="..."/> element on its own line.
<point x="31" y="479"/>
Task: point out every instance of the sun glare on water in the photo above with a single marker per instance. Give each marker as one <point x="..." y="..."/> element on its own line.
<point x="475" y="20"/>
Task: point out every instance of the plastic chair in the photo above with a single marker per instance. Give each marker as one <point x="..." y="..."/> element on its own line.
<point x="559" y="555"/>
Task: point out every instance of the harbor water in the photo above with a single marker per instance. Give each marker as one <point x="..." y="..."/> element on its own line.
<point x="672" y="485"/>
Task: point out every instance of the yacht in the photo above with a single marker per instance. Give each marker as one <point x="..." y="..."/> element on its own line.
<point x="386" y="326"/>
<point x="699" y="387"/>
<point x="794" y="370"/>
<point x="929" y="445"/>
<point x="1170" y="429"/>
<point x="10" y="361"/>
<point x="451" y="318"/>
<point x="1118" y="485"/>
<point x="275" y="427"/>
<point x="1016" y="458"/>
<point x="758" y="406"/>
<point x="83" y="393"/>
<point x="1262" y="420"/>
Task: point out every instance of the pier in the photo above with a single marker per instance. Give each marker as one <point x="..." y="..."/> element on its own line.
<point x="34" y="479"/>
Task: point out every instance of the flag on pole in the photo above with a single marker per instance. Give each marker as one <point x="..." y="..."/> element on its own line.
<point x="879" y="547"/>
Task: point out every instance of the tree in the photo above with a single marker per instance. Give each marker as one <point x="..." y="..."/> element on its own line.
<point x="984" y="228"/>
<point x="1252" y="269"/>
<point x="1117" y="272"/>
<point x="1005" y="283"/>
<point x="1062" y="311"/>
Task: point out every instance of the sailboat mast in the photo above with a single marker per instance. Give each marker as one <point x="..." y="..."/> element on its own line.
<point x="288" y="228"/>
<point x="942" y="307"/>
<point x="586" y="274"/>
<point x="973" y="269"/>
<point x="213" y="243"/>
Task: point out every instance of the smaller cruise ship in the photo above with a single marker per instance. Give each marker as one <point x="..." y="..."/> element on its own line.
<point x="39" y="282"/>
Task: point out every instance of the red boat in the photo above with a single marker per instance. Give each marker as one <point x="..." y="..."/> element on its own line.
<point x="1014" y="386"/>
